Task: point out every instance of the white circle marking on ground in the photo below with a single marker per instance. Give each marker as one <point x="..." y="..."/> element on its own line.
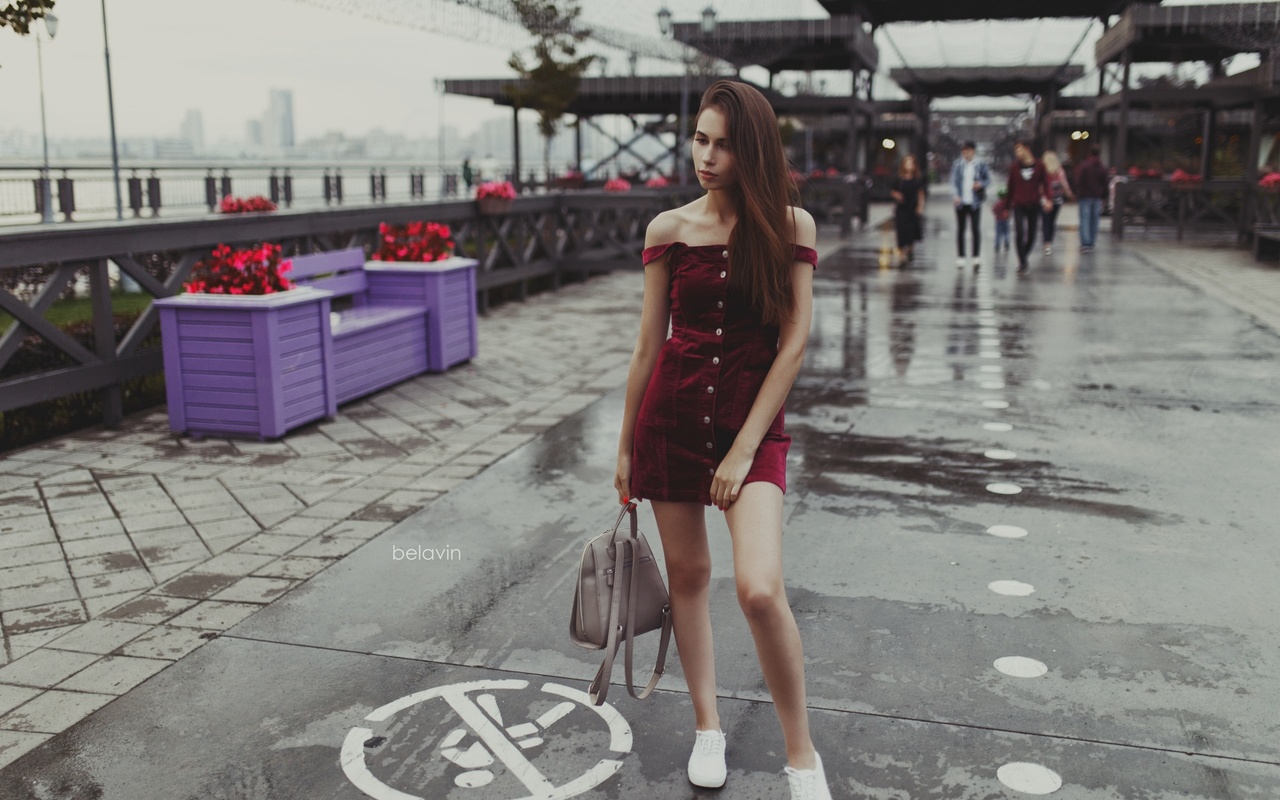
<point x="997" y="427"/>
<point x="992" y="384"/>
<point x="1000" y="455"/>
<point x="1020" y="667"/>
<point x="991" y="368"/>
<point x="1029" y="778"/>
<point x="990" y="354"/>
<point x="1011" y="588"/>
<point x="1007" y="531"/>
<point x="995" y="403"/>
<point x="1004" y="488"/>
<point x="493" y="743"/>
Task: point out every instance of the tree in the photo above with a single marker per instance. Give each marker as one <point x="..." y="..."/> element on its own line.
<point x="21" y="13"/>
<point x="552" y="78"/>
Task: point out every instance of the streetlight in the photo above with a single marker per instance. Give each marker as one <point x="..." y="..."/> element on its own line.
<point x="46" y="194"/>
<point x="111" y="110"/>
<point x="665" y="28"/>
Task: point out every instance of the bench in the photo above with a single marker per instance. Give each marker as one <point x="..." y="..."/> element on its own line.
<point x="375" y="343"/>
<point x="1266" y="242"/>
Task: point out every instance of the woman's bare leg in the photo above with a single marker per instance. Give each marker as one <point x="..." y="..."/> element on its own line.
<point x="755" y="521"/>
<point x="683" y="529"/>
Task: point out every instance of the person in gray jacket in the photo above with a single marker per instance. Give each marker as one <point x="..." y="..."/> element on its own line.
<point x="969" y="180"/>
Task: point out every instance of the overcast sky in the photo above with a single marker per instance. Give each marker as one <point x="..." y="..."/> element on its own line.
<point x="351" y="73"/>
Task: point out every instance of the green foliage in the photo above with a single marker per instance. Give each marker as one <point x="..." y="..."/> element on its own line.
<point x="554" y="72"/>
<point x="19" y="14"/>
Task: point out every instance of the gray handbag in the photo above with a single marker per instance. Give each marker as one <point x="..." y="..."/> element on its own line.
<point x="611" y="605"/>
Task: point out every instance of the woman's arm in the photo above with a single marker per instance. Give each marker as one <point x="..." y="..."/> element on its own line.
<point x="793" y="338"/>
<point x="655" y="319"/>
<point x="920" y="201"/>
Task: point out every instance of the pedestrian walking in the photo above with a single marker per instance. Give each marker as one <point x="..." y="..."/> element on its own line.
<point x="468" y="177"/>
<point x="1001" y="213"/>
<point x="908" y="198"/>
<point x="1029" y="197"/>
<point x="703" y="417"/>
<point x="1091" y="187"/>
<point x="969" y="180"/>
<point x="1060" y="189"/>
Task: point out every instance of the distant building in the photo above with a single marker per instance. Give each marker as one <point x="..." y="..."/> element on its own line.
<point x="277" y="126"/>
<point x="253" y="133"/>
<point x="193" y="130"/>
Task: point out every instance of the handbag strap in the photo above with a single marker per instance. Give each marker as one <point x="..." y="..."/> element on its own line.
<point x="599" y="688"/>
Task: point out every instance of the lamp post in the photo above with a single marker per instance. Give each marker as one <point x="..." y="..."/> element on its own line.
<point x="708" y="28"/>
<point x="111" y="110"/>
<point x="46" y="195"/>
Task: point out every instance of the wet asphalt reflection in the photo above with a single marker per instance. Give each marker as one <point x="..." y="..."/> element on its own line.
<point x="1029" y="543"/>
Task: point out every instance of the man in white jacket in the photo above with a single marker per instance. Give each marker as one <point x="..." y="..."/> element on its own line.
<point x="969" y="180"/>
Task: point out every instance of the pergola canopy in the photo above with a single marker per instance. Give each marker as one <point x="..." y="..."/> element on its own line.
<point x="985" y="81"/>
<point x="1191" y="33"/>
<point x="801" y="44"/>
<point x="881" y="12"/>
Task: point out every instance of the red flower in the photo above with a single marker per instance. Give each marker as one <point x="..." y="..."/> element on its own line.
<point x="255" y="270"/>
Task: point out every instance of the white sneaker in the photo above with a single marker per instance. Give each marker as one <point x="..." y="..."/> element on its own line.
<point x="960" y="261"/>
<point x="808" y="784"/>
<point x="977" y="262"/>
<point x="1048" y="249"/>
<point x="706" y="763"/>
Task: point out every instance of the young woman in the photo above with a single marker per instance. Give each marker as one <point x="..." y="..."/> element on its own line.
<point x="908" y="198"/>
<point x="1060" y="188"/>
<point x="703" y="421"/>
<point x="1029" y="198"/>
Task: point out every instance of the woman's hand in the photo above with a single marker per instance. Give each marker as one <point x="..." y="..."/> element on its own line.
<point x="729" y="477"/>
<point x="622" y="478"/>
<point x="896" y="195"/>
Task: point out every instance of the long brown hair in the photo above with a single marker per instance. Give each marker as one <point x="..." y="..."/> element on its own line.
<point x="759" y="244"/>
<point x="914" y="172"/>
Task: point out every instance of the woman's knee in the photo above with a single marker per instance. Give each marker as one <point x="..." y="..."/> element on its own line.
<point x="689" y="575"/>
<point x="761" y="600"/>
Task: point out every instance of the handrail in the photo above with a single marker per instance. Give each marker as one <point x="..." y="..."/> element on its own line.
<point x="547" y="236"/>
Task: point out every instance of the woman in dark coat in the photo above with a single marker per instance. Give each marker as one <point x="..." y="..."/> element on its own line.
<point x="908" y="198"/>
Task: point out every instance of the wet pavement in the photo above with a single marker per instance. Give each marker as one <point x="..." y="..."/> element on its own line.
<point x="1030" y="534"/>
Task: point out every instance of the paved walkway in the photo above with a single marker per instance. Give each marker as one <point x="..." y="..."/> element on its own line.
<point x="125" y="551"/>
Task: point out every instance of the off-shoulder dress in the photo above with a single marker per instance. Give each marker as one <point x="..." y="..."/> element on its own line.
<point x="705" y="381"/>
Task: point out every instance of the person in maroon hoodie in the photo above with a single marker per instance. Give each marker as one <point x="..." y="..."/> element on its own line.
<point x="1029" y="196"/>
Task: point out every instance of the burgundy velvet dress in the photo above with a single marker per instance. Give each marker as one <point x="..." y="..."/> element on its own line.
<point x="704" y="384"/>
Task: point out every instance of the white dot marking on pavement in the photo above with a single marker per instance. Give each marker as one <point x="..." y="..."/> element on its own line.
<point x="991" y="368"/>
<point x="995" y="403"/>
<point x="1007" y="531"/>
<point x="990" y="354"/>
<point x="997" y="427"/>
<point x="1000" y="455"/>
<point x="1042" y="384"/>
<point x="1004" y="488"/>
<point x="1011" y="588"/>
<point x="992" y="384"/>
<point x="1029" y="778"/>
<point x="1020" y="667"/>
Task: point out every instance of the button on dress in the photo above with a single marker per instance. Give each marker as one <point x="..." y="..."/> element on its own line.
<point x="705" y="381"/>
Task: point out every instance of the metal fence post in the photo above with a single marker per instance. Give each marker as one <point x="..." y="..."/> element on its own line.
<point x="328" y="187"/>
<point x="288" y="188"/>
<point x="104" y="340"/>
<point x="66" y="196"/>
<point x="226" y="183"/>
<point x="275" y="187"/>
<point x="211" y="191"/>
<point x="337" y="184"/>
<point x="153" y="193"/>
<point x="135" y="194"/>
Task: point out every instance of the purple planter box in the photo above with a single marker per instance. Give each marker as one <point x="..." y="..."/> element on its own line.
<point x="447" y="289"/>
<point x="247" y="365"/>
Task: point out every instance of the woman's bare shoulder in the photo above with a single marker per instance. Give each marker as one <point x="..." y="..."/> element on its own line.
<point x="804" y="231"/>
<point x="670" y="225"/>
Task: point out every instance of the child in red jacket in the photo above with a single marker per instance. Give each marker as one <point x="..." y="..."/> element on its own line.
<point x="1001" y="212"/>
